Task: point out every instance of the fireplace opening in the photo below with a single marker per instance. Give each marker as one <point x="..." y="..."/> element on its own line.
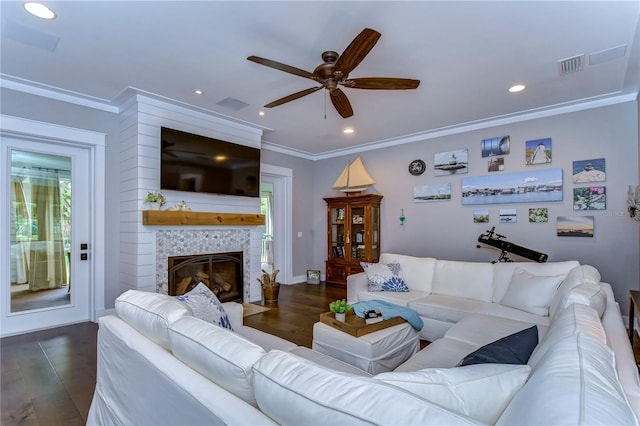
<point x="221" y="272"/>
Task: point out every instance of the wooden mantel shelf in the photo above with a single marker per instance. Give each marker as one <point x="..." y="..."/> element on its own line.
<point x="164" y="217"/>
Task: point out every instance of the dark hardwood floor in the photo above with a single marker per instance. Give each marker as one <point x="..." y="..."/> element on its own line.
<point x="48" y="377"/>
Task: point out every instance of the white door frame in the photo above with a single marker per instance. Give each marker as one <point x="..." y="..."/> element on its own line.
<point x="62" y="135"/>
<point x="281" y="178"/>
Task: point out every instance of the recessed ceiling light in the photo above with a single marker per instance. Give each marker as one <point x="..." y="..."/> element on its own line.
<point x="348" y="131"/>
<point x="517" y="88"/>
<point x="198" y="92"/>
<point x="39" y="10"/>
<point x="220" y="157"/>
<point x="261" y="113"/>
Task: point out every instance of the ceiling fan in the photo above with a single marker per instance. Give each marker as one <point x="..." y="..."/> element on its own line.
<point x="335" y="71"/>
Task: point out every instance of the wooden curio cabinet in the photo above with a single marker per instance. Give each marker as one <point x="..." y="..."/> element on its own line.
<point x="353" y="235"/>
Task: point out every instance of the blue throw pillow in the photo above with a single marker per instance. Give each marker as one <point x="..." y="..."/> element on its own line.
<point x="205" y="305"/>
<point x="513" y="349"/>
<point x="384" y="276"/>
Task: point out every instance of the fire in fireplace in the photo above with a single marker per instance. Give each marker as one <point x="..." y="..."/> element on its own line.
<point x="221" y="272"/>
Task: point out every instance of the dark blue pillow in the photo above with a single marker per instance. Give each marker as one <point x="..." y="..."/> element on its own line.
<point x="513" y="349"/>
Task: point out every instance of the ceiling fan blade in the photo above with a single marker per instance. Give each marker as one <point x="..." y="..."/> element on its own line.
<point x="292" y="97"/>
<point x="356" y="51"/>
<point x="341" y="103"/>
<point x="281" y="67"/>
<point x="382" y="83"/>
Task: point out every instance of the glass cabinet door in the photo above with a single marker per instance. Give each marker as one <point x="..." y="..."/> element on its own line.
<point x="375" y="212"/>
<point x="358" y="230"/>
<point x="337" y="218"/>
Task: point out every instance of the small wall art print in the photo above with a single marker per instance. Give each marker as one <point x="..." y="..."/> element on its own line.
<point x="426" y="193"/>
<point x="508" y="216"/>
<point x="590" y="198"/>
<point x="539" y="215"/>
<point x="495" y="164"/>
<point x="575" y="226"/>
<point x="586" y="171"/>
<point x="451" y="162"/>
<point x="522" y="187"/>
<point x="500" y="145"/>
<point x="538" y="151"/>
<point x="481" y="216"/>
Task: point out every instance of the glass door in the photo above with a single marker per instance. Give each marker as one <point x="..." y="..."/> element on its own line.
<point x="358" y="229"/>
<point x="337" y="219"/>
<point x="47" y="282"/>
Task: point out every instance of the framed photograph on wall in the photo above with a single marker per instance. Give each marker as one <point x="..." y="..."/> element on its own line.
<point x="451" y="162"/>
<point x="508" y="216"/>
<point x="500" y="145"/>
<point x="585" y="171"/>
<point x="495" y="164"/>
<point x="426" y="193"/>
<point x="575" y="226"/>
<point x="590" y="198"/>
<point x="522" y="187"/>
<point x="481" y="216"/>
<point x="538" y="151"/>
<point x="539" y="215"/>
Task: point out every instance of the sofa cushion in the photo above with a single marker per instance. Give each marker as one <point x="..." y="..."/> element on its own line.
<point x="384" y="276"/>
<point x="317" y="395"/>
<point x="480" y="391"/>
<point x="503" y="271"/>
<point x="217" y="353"/>
<point x="586" y="294"/>
<point x="580" y="275"/>
<point x="469" y="280"/>
<point x="575" y="383"/>
<point x="417" y="271"/>
<point x="577" y="318"/>
<point x="441" y="353"/>
<point x="150" y="313"/>
<point x="479" y="329"/>
<point x="445" y="308"/>
<point x="399" y="298"/>
<point x="513" y="349"/>
<point x="531" y="293"/>
<point x="498" y="310"/>
<point x="205" y="305"/>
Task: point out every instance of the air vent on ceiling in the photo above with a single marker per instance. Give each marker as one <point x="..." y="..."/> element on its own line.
<point x="571" y="65"/>
<point x="232" y="103"/>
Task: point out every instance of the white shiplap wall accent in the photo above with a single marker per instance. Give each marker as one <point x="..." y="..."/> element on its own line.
<point x="141" y="118"/>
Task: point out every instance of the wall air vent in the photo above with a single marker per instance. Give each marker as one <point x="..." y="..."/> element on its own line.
<point x="571" y="65"/>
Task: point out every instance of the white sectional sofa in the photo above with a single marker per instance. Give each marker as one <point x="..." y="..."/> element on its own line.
<point x="160" y="365"/>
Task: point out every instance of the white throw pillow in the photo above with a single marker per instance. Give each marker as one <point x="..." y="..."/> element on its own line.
<point x="206" y="306"/>
<point x="384" y="276"/>
<point x="531" y="293"/>
<point x="481" y="391"/>
<point x="221" y="355"/>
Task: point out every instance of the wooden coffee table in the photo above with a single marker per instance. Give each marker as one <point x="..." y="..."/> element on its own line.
<point x="357" y="326"/>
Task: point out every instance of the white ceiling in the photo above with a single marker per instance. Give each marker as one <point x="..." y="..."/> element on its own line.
<point x="466" y="55"/>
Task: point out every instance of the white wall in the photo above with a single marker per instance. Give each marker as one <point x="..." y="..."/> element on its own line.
<point x="445" y="229"/>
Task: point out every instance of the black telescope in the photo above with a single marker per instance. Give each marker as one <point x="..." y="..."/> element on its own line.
<point x="507" y="247"/>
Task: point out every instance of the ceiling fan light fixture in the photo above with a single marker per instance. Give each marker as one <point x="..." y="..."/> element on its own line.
<point x="39" y="10"/>
<point x="517" y="88"/>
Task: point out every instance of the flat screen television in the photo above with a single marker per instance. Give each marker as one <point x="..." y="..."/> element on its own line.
<point x="196" y="163"/>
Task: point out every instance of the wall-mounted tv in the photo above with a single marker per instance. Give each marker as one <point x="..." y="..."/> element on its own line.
<point x="196" y="163"/>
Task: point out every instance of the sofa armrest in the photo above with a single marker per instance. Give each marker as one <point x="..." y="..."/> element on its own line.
<point x="355" y="284"/>
<point x="234" y="311"/>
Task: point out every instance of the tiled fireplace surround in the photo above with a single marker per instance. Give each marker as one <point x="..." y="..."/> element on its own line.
<point x="144" y="249"/>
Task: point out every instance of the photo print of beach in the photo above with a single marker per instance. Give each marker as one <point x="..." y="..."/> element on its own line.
<point x="426" y="193"/>
<point x="539" y="215"/>
<point x="538" y="151"/>
<point x="586" y="171"/>
<point x="495" y="164"/>
<point x="451" y="162"/>
<point x="522" y="187"/>
<point x="590" y="198"/>
<point x="495" y="146"/>
<point x="575" y="226"/>
<point x="508" y="216"/>
<point x="481" y="216"/>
